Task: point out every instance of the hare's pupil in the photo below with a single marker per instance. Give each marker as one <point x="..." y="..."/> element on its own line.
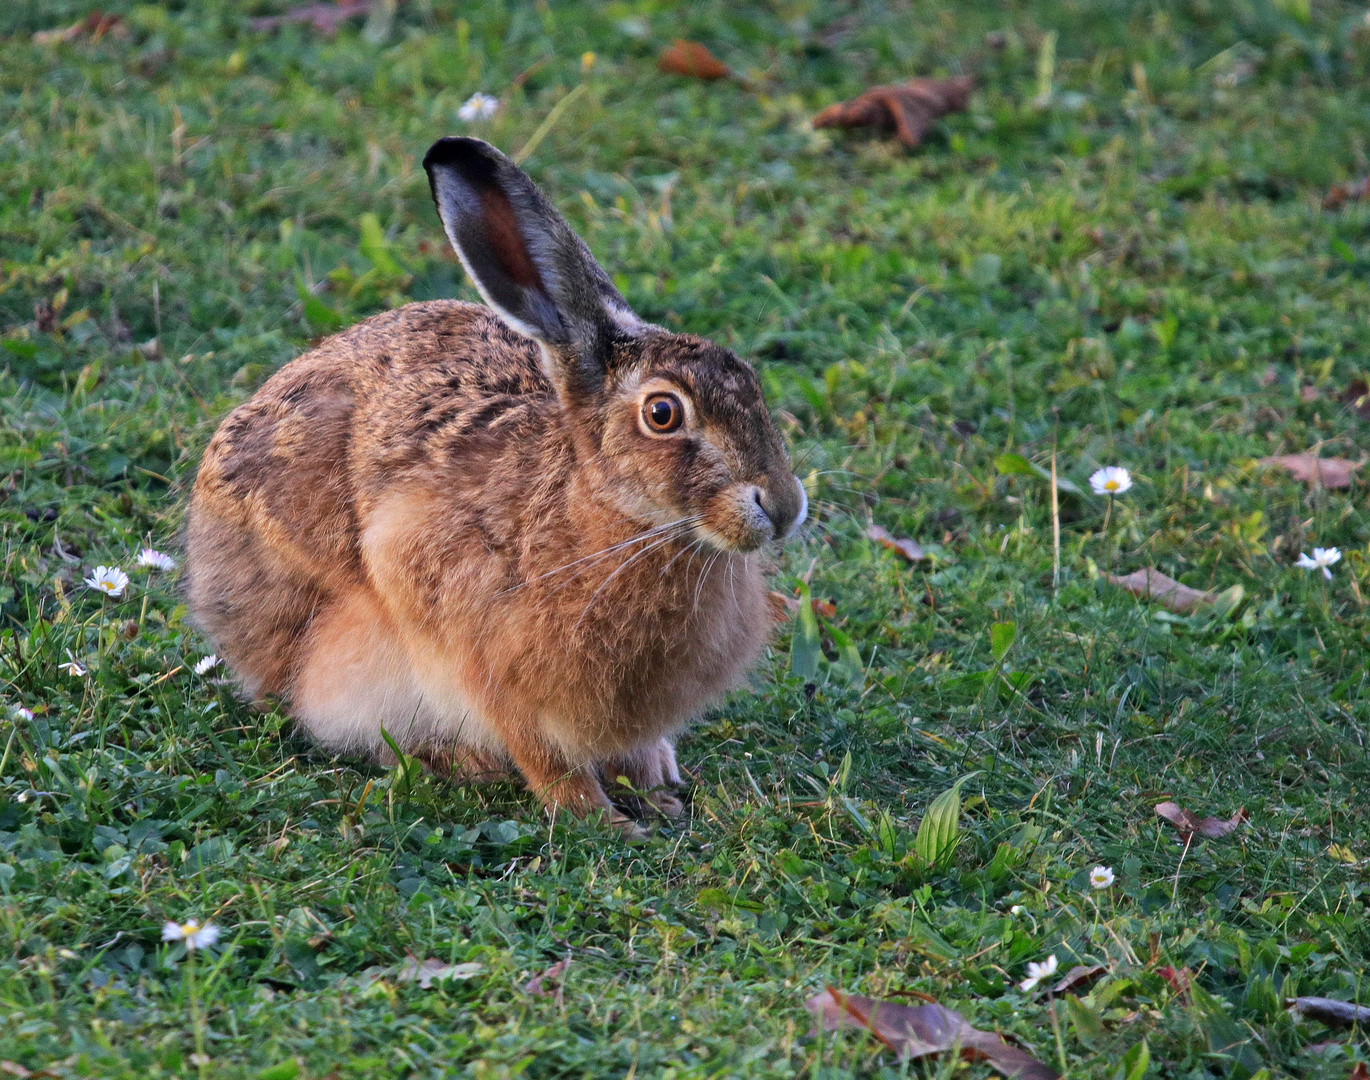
<point x="661" y="413"/>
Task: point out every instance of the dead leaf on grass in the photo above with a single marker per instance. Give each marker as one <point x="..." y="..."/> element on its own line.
<point x="1151" y="584"/>
<point x="1190" y="823"/>
<point x="1360" y="1072"/>
<point x="1079" y="976"/>
<point x="909" y="549"/>
<point x="1330" y="1011"/>
<point x="94" y="26"/>
<point x="1177" y="979"/>
<point x="423" y="972"/>
<point x="325" y="18"/>
<point x="693" y="60"/>
<point x="1341" y="194"/>
<point x="908" y="109"/>
<point x="1357" y="396"/>
<point x="553" y="977"/>
<point x="1333" y="472"/>
<point x="785" y="607"/>
<point x="920" y="1030"/>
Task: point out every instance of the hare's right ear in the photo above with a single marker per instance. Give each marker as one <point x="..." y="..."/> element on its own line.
<point x="527" y="262"/>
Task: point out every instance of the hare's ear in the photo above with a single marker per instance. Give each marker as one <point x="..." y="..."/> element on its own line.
<point x="522" y="255"/>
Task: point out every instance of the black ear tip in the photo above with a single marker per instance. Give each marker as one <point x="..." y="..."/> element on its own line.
<point x="461" y="152"/>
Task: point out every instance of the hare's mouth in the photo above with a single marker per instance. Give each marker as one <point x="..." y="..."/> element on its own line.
<point x="740" y="519"/>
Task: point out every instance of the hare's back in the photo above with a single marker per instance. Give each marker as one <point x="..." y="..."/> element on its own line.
<point x="364" y="407"/>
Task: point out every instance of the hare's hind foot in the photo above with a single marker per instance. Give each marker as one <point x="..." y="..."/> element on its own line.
<point x="465" y="764"/>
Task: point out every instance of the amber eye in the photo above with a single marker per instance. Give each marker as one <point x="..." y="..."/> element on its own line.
<point x="663" y="412"/>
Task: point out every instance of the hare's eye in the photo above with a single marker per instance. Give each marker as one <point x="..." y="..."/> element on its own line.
<point x="663" y="412"/>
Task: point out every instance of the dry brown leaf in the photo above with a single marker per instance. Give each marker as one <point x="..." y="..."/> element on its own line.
<point x="908" y="109"/>
<point x="1360" y="1072"/>
<point x="784" y="607"/>
<point x="1079" y="976"/>
<point x="1332" y="472"/>
<point x="325" y="18"/>
<point x="693" y="60"/>
<point x="94" y="26"/>
<point x="1178" y="980"/>
<point x="1151" y="584"/>
<point x="1341" y="194"/>
<point x="555" y="976"/>
<point x="907" y="548"/>
<point x="1190" y="823"/>
<point x="1330" y="1011"/>
<point x="1357" y="396"/>
<point x="920" y="1030"/>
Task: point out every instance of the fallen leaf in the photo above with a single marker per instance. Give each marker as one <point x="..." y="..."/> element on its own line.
<point x="1341" y="194"/>
<point x="1330" y="1011"/>
<point x="555" y="975"/>
<point x="1190" y="823"/>
<point x="94" y="26"/>
<point x="1342" y="853"/>
<point x="907" y="109"/>
<point x="1178" y="980"/>
<point x="825" y="608"/>
<point x="920" y="1030"/>
<point x="1079" y="976"/>
<point x="325" y="18"/>
<point x="425" y="972"/>
<point x="1331" y="472"/>
<point x="693" y="60"/>
<point x="1360" y="1072"/>
<point x="1357" y="396"/>
<point x="783" y="607"/>
<point x="1151" y="584"/>
<point x="907" y="548"/>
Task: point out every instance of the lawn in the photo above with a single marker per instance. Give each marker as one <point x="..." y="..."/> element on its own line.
<point x="1118" y="255"/>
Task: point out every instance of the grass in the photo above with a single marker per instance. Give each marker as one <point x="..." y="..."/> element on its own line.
<point x="1118" y="255"/>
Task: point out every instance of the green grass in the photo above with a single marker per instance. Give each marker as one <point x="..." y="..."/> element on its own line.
<point x="1136" y="271"/>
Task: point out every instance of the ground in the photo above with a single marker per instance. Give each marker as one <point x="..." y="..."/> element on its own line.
<point x="1119" y="255"/>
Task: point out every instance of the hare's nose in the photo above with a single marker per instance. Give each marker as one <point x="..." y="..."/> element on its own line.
<point x="785" y="508"/>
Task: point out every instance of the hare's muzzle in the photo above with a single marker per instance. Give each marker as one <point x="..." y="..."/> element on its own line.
<point x="745" y="516"/>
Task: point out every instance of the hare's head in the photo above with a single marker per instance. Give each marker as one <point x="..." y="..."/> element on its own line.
<point x="675" y="426"/>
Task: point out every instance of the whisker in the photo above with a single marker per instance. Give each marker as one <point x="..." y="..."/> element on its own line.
<point x="691" y="519"/>
<point x="626" y="563"/>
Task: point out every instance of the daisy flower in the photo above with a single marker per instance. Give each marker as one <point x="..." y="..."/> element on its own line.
<point x="479" y="106"/>
<point x="1101" y="877"/>
<point x="72" y="667"/>
<point x="1111" y="480"/>
<point x="109" y="580"/>
<point x="192" y="933"/>
<point x="21" y="713"/>
<point x="155" y="560"/>
<point x="206" y="665"/>
<point x="1321" y="560"/>
<point x="1037" y="972"/>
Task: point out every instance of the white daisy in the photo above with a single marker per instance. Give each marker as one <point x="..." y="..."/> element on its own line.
<point x="1111" y="480"/>
<point x="192" y="933"/>
<point x="1321" y="560"/>
<point x="479" y="106"/>
<point x="109" y="580"/>
<point x="21" y="713"/>
<point x="1101" y="877"/>
<point x="155" y="560"/>
<point x="206" y="665"/>
<point x="72" y="667"/>
<point x="1038" y="972"/>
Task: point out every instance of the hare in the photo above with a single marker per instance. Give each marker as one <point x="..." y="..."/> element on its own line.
<point x="528" y="536"/>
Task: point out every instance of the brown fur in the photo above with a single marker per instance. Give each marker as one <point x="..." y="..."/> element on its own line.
<point x="412" y="527"/>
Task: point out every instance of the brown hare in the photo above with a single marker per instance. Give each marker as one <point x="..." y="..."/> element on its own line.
<point x="528" y="535"/>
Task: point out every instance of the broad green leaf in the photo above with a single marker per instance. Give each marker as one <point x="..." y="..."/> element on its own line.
<point x="939" y="830"/>
<point x="805" y="648"/>
<point x="1001" y="638"/>
<point x="319" y="314"/>
<point x="1014" y="465"/>
<point x="848" y="658"/>
<point x="1134" y="1063"/>
<point x="374" y="247"/>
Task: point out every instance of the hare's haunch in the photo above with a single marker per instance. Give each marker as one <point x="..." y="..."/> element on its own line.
<point x="525" y="536"/>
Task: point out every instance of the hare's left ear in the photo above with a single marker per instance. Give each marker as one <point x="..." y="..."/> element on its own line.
<point x="525" y="259"/>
